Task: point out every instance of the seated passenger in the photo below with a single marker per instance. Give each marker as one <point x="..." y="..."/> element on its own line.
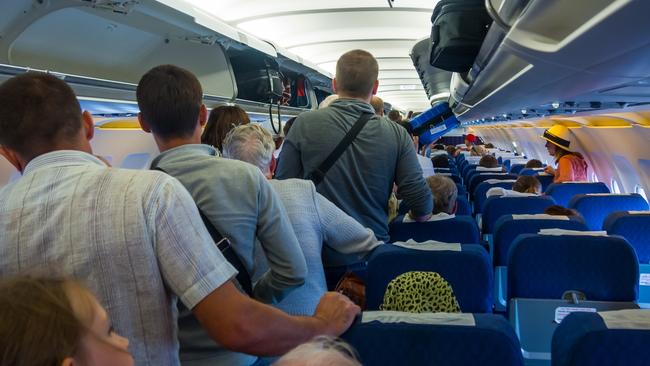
<point x="488" y="163"/>
<point x="56" y="322"/>
<point x="489" y="145"/>
<point x="445" y="193"/>
<point x="321" y="351"/>
<point x="452" y="151"/>
<point x="534" y="164"/>
<point x="222" y="119"/>
<point x="395" y="116"/>
<point x="136" y="237"/>
<point x="523" y="186"/>
<point x="477" y="150"/>
<point x="440" y="161"/>
<point x="571" y="165"/>
<point x="558" y="210"/>
<point x="314" y="219"/>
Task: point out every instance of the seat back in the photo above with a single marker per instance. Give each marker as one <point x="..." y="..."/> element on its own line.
<point x="530" y="171"/>
<point x="459" y="229"/>
<point x="516" y="168"/>
<point x="613" y="338"/>
<point x="482" y="177"/>
<point x="604" y="268"/>
<point x="507" y="228"/>
<point x="635" y="228"/>
<point x="596" y="207"/>
<point x="428" y="339"/>
<point x="562" y="193"/>
<point x="467" y="268"/>
<point x="463" y="208"/>
<point x="479" y="193"/>
<point x="495" y="207"/>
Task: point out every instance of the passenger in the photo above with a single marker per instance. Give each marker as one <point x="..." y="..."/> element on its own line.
<point x="321" y="351"/>
<point x="314" y="219"/>
<point x="234" y="196"/>
<point x="440" y="161"/>
<point x="56" y="322"/>
<point x="571" y="165"/>
<point x="524" y="186"/>
<point x="557" y="210"/>
<point x="489" y="145"/>
<point x="489" y="162"/>
<point x="478" y="150"/>
<point x="327" y="101"/>
<point x="534" y="164"/>
<point x="222" y="119"/>
<point x="395" y="116"/>
<point x="452" y="150"/>
<point x="445" y="193"/>
<point x="135" y="236"/>
<point x="360" y="181"/>
<point x="378" y="105"/>
<point x="470" y="140"/>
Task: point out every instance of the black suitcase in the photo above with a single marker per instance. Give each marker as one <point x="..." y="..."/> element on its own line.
<point x="258" y="79"/>
<point x="458" y="30"/>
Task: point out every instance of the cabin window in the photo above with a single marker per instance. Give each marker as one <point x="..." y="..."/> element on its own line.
<point x="615" y="187"/>
<point x="638" y="189"/>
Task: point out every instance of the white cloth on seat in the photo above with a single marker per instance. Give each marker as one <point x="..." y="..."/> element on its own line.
<point x="494" y="181"/>
<point x="539" y="217"/>
<point x="500" y="191"/>
<point x="429" y="245"/>
<point x="484" y="169"/>
<point x="437" y="217"/>
<point x="626" y="319"/>
<point x="639" y="212"/>
<point x="558" y="232"/>
<point x="461" y="319"/>
<point x="426" y="165"/>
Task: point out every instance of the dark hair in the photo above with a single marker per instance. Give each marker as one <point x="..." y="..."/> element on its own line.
<point x="489" y="145"/>
<point x="37" y="112"/>
<point x="451" y="150"/>
<point x="558" y="210"/>
<point x="440" y="161"/>
<point x="533" y="163"/>
<point x="527" y="184"/>
<point x="223" y="119"/>
<point x="394" y="115"/>
<point x="356" y="73"/>
<point x="38" y="323"/>
<point x="170" y="99"/>
<point x="439" y="147"/>
<point x="488" y="161"/>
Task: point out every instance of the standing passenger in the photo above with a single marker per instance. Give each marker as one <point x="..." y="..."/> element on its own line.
<point x="378" y="105"/>
<point x="222" y="119"/>
<point x="571" y="165"/>
<point x="360" y="181"/>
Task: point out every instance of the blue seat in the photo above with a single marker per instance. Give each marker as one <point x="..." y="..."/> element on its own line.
<point x="495" y="207"/>
<point x="635" y="228"/>
<point x="562" y="193"/>
<point x="453" y="177"/>
<point x="482" y="177"/>
<point x="479" y="193"/>
<point x="542" y="268"/>
<point x="462" y="206"/>
<point x="595" y="339"/>
<point x="468" y="271"/>
<point x="476" y="171"/>
<point x="462" y="192"/>
<point x="460" y="229"/>
<point x="434" y="339"/>
<point x="509" y="162"/>
<point x="531" y="171"/>
<point x="516" y="168"/>
<point x="596" y="207"/>
<point x="449" y="170"/>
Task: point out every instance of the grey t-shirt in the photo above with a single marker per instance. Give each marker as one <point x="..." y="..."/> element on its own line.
<point x="361" y="180"/>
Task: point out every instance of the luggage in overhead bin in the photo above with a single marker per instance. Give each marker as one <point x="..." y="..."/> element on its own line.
<point x="433" y="123"/>
<point x="258" y="79"/>
<point x="458" y="30"/>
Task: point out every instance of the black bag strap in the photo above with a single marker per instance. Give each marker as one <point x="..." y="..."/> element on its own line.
<point x="318" y="174"/>
<point x="226" y="249"/>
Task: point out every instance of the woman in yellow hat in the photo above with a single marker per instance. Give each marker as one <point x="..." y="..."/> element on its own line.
<point x="571" y="165"/>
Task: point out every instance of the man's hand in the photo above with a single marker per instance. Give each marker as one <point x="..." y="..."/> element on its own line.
<point x="337" y="312"/>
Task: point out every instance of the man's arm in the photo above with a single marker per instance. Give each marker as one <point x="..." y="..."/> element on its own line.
<point x="245" y="325"/>
<point x="411" y="186"/>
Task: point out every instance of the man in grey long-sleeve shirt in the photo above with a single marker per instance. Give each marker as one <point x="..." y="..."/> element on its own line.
<point x="234" y="196"/>
<point x="361" y="180"/>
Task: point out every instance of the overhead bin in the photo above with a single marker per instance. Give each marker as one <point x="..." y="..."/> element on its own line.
<point x="435" y="81"/>
<point x="547" y="57"/>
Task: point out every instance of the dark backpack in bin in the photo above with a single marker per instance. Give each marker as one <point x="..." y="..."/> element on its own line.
<point x="258" y="81"/>
<point x="459" y="27"/>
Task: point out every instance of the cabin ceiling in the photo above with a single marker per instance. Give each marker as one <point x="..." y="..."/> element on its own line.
<point x="321" y="31"/>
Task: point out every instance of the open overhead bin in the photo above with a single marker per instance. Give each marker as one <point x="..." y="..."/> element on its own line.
<point x="435" y="81"/>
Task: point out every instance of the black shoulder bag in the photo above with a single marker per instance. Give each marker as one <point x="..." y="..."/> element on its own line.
<point x="318" y="174"/>
<point x="226" y="249"/>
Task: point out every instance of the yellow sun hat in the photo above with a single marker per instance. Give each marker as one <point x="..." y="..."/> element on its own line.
<point x="561" y="137"/>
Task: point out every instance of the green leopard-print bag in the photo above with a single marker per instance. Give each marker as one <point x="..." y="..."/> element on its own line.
<point x="420" y="292"/>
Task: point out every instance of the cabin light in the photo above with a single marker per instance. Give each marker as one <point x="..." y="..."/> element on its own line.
<point x="407" y="87"/>
<point x="523" y="111"/>
<point x="555" y="105"/>
<point x="514" y="144"/>
<point x="505" y="115"/>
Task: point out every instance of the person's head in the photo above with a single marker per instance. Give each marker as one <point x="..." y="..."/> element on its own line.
<point x="39" y="113"/>
<point x="557" y="210"/>
<point x="440" y="161"/>
<point x="489" y="145"/>
<point x="451" y="150"/>
<point x="378" y="105"/>
<point x="533" y="163"/>
<point x="321" y="351"/>
<point x="56" y="322"/>
<point x="444" y="193"/>
<point x="470" y="139"/>
<point x="223" y="119"/>
<point x="488" y="161"/>
<point x="250" y="143"/>
<point x="170" y="99"/>
<point x="328" y="100"/>
<point x="439" y="147"/>
<point x="395" y="116"/>
<point x="477" y="150"/>
<point x="527" y="184"/>
<point x="356" y="75"/>
<point x="559" y="141"/>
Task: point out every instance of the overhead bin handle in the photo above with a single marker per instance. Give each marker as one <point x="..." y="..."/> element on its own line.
<point x="494" y="14"/>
